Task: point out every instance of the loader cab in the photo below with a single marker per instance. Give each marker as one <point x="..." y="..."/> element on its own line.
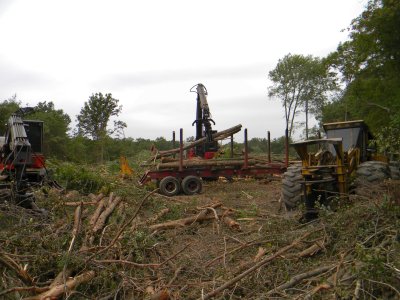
<point x="354" y="134"/>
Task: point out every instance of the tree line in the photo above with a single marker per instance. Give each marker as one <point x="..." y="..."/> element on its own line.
<point x="95" y="140"/>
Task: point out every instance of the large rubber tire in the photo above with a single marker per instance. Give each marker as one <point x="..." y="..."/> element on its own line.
<point x="169" y="186"/>
<point x="192" y="185"/>
<point x="292" y="190"/>
<point x="394" y="170"/>
<point x="372" y="172"/>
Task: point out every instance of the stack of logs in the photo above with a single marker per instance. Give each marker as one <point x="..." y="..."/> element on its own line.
<point x="162" y="160"/>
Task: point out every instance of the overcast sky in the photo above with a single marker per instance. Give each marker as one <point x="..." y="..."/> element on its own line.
<point x="149" y="54"/>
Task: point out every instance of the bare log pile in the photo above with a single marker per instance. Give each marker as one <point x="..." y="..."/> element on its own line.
<point x="163" y="160"/>
<point x="204" y="162"/>
<point x="253" y="162"/>
<point x="216" y="136"/>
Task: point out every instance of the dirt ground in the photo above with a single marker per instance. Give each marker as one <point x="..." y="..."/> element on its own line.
<point x="245" y="194"/>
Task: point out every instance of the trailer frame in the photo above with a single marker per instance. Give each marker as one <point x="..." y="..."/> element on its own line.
<point x="189" y="179"/>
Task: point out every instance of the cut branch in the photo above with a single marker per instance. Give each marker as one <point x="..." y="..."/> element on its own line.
<point x="71" y="284"/>
<point x="97" y="212"/>
<point x="202" y="216"/>
<point x="101" y="221"/>
<point x="255" y="267"/>
<point x="14" y="266"/>
<point x="123" y="227"/>
<point x="131" y="263"/>
<point x="298" y="278"/>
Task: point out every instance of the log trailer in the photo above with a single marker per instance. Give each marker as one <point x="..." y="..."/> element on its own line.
<point x="22" y="164"/>
<point x="186" y="175"/>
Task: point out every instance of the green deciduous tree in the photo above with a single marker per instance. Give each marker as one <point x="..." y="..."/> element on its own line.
<point x="55" y="127"/>
<point x="95" y="116"/>
<point x="7" y="107"/>
<point x="300" y="82"/>
<point x="369" y="66"/>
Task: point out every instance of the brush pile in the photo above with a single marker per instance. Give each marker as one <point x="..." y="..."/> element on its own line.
<point x="232" y="242"/>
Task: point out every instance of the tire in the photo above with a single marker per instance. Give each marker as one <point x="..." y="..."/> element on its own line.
<point x="292" y="191"/>
<point x="169" y="186"/>
<point x="394" y="170"/>
<point x="191" y="185"/>
<point x="372" y="172"/>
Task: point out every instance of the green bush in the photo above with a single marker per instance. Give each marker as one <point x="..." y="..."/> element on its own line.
<point x="78" y="177"/>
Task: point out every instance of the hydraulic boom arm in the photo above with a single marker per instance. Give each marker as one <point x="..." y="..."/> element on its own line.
<point x="203" y="122"/>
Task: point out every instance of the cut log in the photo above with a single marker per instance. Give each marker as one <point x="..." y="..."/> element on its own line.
<point x="126" y="224"/>
<point x="232" y="224"/>
<point x="71" y="284"/>
<point x="205" y="162"/>
<point x="97" y="212"/>
<point x="101" y="221"/>
<point x="60" y="278"/>
<point x="216" y="136"/>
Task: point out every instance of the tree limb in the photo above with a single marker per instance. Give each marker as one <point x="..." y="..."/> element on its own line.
<point x="255" y="267"/>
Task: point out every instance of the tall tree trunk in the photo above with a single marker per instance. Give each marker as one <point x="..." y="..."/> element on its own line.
<point x="102" y="151"/>
<point x="306" y="109"/>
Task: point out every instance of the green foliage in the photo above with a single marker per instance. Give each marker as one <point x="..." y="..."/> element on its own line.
<point x="225" y="150"/>
<point x="253" y="211"/>
<point x="369" y="67"/>
<point x="175" y="212"/>
<point x="7" y="107"/>
<point x="388" y="139"/>
<point x="260" y="145"/>
<point x="55" y="129"/>
<point x="78" y="177"/>
<point x="95" y="115"/>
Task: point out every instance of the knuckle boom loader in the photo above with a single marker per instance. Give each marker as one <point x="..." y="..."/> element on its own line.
<point x="22" y="163"/>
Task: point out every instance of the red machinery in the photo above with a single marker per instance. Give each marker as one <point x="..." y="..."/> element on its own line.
<point x="22" y="164"/>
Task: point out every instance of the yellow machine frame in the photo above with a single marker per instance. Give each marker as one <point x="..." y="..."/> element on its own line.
<point x="327" y="169"/>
